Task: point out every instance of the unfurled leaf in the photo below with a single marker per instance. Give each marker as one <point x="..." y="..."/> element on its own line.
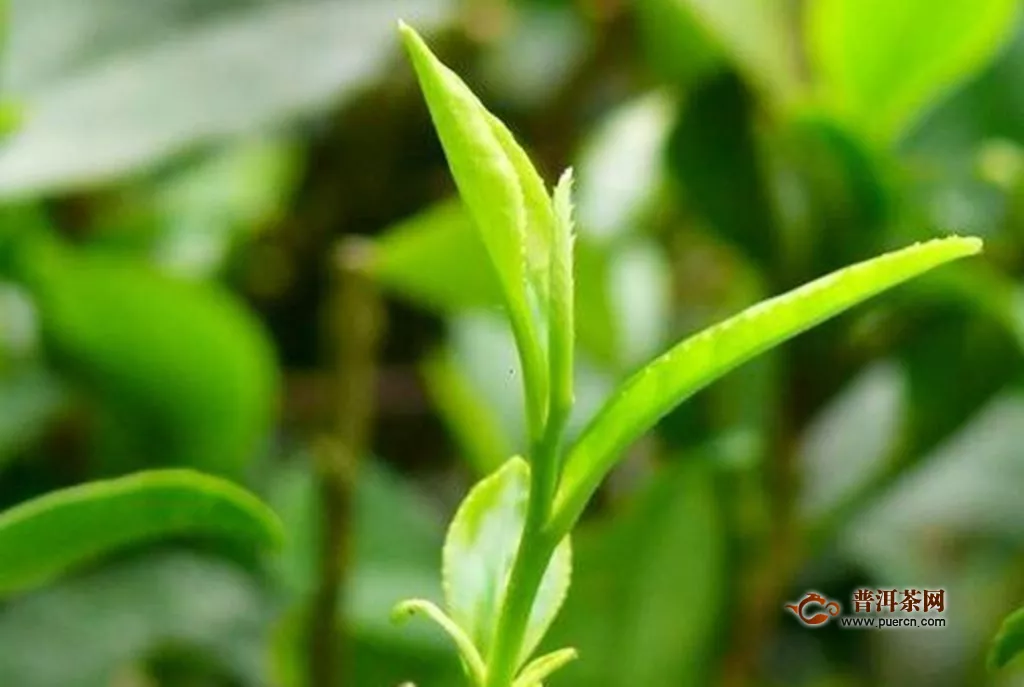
<point x="506" y="199"/>
<point x="479" y="553"/>
<point x="880" y="64"/>
<point x="696" y="362"/>
<point x="45" y="537"/>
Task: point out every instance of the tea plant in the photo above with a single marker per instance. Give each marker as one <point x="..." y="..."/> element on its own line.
<point x="507" y="559"/>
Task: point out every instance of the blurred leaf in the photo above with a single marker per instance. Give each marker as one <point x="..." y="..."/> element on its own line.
<point x="436" y="258"/>
<point x="955" y="363"/>
<point x="678" y="47"/>
<point x="640" y="284"/>
<point x="396" y="537"/>
<point x="99" y="623"/>
<point x="620" y="168"/>
<point x="29" y="399"/>
<point x="989" y="106"/>
<point x="851" y="438"/>
<point x="209" y="208"/>
<point x="478" y="432"/>
<point x="479" y="553"/>
<point x="696" y="362"/>
<point x="186" y="376"/>
<point x="840" y="193"/>
<point x="507" y="200"/>
<point x="89" y="121"/>
<point x="540" y="50"/>
<point x="879" y="64"/>
<point x="714" y="153"/>
<point x="42" y="538"/>
<point x="1009" y="642"/>
<point x="982" y="289"/>
<point x="648" y="600"/>
<point x="964" y="493"/>
<point x="756" y="37"/>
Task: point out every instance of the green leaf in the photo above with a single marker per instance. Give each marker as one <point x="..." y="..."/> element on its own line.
<point x="701" y="359"/>
<point x="436" y="258"/>
<point x="113" y="86"/>
<point x="542" y="667"/>
<point x="506" y="199"/>
<point x="880" y="64"/>
<point x="479" y="553"/>
<point x="44" y="537"/>
<point x="756" y="36"/>
<point x="650" y="603"/>
<point x="471" y="657"/>
<point x="171" y="598"/>
<point x="676" y="45"/>
<point x="1009" y="642"/>
<point x="473" y="423"/>
<point x="183" y="373"/>
<point x="561" y="327"/>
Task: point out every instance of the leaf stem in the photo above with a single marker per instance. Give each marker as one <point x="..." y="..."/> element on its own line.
<point x="536" y="548"/>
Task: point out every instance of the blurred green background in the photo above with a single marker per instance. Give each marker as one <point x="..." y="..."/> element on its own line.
<point x="229" y="241"/>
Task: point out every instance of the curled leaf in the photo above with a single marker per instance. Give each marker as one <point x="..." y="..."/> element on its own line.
<point x="470" y="656"/>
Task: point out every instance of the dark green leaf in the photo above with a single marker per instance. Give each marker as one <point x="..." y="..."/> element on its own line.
<point x="45" y="537"/>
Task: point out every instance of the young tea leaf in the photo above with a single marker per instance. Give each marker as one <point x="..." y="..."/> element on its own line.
<point x="561" y="328"/>
<point x="701" y="359"/>
<point x="506" y="199"/>
<point x="540" y="668"/>
<point x="479" y="553"/>
<point x="879" y="64"/>
<point x="470" y="656"/>
<point x="44" y="537"/>
<point x="1009" y="642"/>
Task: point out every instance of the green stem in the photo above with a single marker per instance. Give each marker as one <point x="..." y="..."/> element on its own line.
<point x="536" y="547"/>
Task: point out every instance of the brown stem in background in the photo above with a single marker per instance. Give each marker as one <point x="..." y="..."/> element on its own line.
<point x="353" y="321"/>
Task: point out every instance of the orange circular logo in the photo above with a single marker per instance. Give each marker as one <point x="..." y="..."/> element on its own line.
<point x="804" y="610"/>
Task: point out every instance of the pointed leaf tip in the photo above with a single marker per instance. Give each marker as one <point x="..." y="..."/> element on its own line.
<point x="667" y="381"/>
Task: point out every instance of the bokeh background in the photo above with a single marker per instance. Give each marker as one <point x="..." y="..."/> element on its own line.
<point x="276" y="157"/>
